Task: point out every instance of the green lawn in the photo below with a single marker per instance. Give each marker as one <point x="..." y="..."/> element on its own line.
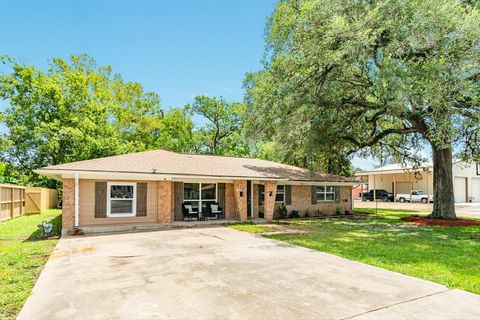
<point x="23" y="253"/>
<point x="446" y="255"/>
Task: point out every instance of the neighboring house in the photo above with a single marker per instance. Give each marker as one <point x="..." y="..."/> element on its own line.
<point x="163" y="187"/>
<point x="398" y="178"/>
<point x="357" y="191"/>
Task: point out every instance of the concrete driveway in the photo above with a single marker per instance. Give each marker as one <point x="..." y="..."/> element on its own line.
<point x="220" y="273"/>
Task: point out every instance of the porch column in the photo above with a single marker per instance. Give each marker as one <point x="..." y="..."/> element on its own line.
<point x="76" y="208"/>
<point x="240" y="192"/>
<point x="68" y="204"/>
<point x="269" y="199"/>
<point x="165" y="201"/>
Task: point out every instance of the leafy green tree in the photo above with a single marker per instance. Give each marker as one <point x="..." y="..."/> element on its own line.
<point x="385" y="76"/>
<point x="223" y="133"/>
<point x="74" y="111"/>
<point x="177" y="132"/>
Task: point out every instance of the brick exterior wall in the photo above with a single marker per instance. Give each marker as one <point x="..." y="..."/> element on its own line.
<point x="255" y="201"/>
<point x="301" y="201"/>
<point x="230" y="206"/>
<point x="240" y="192"/>
<point x="68" y="204"/>
<point x="162" y="202"/>
<point x="269" y="201"/>
<point x="165" y="202"/>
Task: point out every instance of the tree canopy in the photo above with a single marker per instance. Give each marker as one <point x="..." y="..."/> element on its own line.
<point x="77" y="110"/>
<point x="374" y="76"/>
<point x="223" y="132"/>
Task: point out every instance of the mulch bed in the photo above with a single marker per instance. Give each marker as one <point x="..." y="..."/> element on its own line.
<point x="424" y="221"/>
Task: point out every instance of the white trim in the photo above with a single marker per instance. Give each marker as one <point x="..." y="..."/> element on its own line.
<point x="313" y="183"/>
<point x="60" y="174"/>
<point x="325" y="193"/>
<point x="76" y="200"/>
<point x="109" y="199"/>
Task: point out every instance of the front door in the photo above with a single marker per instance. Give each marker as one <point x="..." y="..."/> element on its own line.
<point x="249" y="199"/>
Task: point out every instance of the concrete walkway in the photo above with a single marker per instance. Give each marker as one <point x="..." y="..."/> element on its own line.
<point x="220" y="273"/>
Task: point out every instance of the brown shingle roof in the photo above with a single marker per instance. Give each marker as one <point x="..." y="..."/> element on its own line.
<point x="172" y="163"/>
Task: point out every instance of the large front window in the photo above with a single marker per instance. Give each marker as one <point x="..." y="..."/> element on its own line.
<point x="325" y="193"/>
<point x="199" y="194"/>
<point x="121" y="199"/>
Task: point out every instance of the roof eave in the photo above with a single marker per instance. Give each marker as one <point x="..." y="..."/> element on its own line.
<point x="58" y="174"/>
<point x="89" y="174"/>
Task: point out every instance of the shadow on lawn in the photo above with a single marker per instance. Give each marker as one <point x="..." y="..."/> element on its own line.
<point x="56" y="231"/>
<point x="390" y="230"/>
<point x="372" y="210"/>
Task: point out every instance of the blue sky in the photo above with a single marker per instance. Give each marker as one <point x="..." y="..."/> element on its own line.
<point x="178" y="49"/>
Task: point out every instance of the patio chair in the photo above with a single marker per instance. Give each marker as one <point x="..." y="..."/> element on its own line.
<point x="189" y="213"/>
<point x="213" y="210"/>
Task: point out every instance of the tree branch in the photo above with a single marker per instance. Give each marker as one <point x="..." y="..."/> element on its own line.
<point x="378" y="137"/>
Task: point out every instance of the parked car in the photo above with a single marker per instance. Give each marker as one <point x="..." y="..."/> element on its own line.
<point x="414" y="196"/>
<point x="380" y="194"/>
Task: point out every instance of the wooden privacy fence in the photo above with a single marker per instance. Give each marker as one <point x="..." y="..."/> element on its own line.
<point x="16" y="201"/>
<point x="40" y="199"/>
<point x="12" y="201"/>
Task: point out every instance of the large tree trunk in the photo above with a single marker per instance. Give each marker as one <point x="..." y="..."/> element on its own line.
<point x="444" y="199"/>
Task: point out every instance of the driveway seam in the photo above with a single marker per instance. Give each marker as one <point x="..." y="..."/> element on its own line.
<point x="395" y="304"/>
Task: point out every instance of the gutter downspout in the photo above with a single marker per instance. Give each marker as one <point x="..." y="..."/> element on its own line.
<point x="76" y="225"/>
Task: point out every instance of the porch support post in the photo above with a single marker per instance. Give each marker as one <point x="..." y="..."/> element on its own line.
<point x="269" y="200"/>
<point x="165" y="201"/>
<point x="76" y="200"/>
<point x="240" y="191"/>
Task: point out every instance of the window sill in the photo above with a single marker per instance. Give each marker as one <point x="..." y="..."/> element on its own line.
<point x="120" y="215"/>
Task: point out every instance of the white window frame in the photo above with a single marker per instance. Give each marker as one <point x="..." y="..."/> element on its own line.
<point x="317" y="192"/>
<point x="109" y="199"/>
<point x="200" y="200"/>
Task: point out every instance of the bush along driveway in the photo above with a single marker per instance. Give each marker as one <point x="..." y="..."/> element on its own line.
<point x="446" y="255"/>
<point x="23" y="253"/>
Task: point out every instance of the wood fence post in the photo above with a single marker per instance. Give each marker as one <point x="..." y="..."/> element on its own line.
<point x="22" y="209"/>
<point x="11" y="202"/>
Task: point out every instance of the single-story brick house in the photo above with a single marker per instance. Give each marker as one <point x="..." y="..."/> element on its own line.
<point x="158" y="187"/>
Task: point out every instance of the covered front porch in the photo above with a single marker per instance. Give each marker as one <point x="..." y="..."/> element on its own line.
<point x="196" y="201"/>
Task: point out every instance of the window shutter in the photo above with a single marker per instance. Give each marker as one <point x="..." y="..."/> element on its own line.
<point x="178" y="201"/>
<point x="221" y="195"/>
<point x="288" y="194"/>
<point x="100" y="199"/>
<point x="337" y="194"/>
<point x="314" y="194"/>
<point x="261" y="196"/>
<point x="141" y="199"/>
